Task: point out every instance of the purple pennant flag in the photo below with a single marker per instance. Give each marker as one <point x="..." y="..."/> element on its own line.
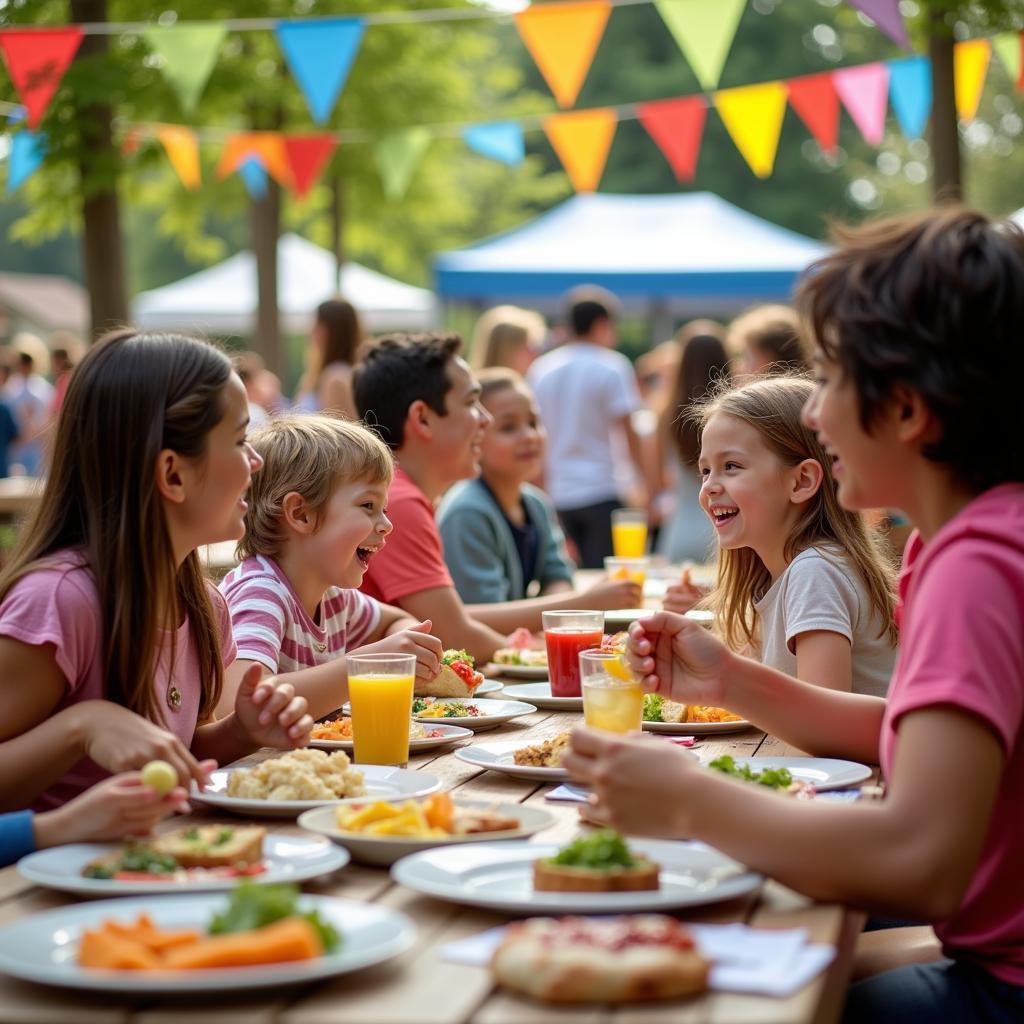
<point x="886" y="15"/>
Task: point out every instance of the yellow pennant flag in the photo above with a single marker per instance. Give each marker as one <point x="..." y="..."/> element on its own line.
<point x="268" y="146"/>
<point x="753" y="116"/>
<point x="970" y="65"/>
<point x="582" y="141"/>
<point x="182" y="148"/>
<point x="562" y="39"/>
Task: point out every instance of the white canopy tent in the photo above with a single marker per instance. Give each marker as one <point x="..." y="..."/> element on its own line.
<point x="222" y="299"/>
<point x="1018" y="217"/>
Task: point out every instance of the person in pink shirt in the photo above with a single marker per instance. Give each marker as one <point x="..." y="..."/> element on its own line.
<point x="113" y="645"/>
<point x="918" y="324"/>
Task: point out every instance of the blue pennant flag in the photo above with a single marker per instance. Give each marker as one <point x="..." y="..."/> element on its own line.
<point x="500" y="140"/>
<point x="910" y="92"/>
<point x="320" y="54"/>
<point x="254" y="174"/>
<point x="26" y="154"/>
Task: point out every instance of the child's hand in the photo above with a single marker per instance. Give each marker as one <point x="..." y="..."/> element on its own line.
<point x="117" y="807"/>
<point x="268" y="712"/>
<point x="415" y="640"/>
<point x="610" y="593"/>
<point x="682" y="596"/>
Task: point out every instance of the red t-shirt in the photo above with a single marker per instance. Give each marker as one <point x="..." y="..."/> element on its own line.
<point x="962" y="644"/>
<point x="412" y="558"/>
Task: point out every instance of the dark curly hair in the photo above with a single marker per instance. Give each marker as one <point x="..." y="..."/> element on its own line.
<point x="933" y="302"/>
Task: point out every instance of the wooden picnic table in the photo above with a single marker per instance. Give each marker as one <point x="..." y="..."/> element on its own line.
<point x="420" y="988"/>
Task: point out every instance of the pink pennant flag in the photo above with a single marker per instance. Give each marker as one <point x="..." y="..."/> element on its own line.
<point x="886" y="15"/>
<point x="864" y="91"/>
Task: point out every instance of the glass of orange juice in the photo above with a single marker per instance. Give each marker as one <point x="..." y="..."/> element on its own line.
<point x="629" y="532"/>
<point x="380" y="691"/>
<point x="634" y="569"/>
<point x="612" y="698"/>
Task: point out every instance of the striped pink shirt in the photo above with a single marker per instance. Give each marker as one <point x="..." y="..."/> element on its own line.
<point x="271" y="627"/>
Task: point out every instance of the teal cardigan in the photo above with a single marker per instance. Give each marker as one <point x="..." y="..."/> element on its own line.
<point x="481" y="553"/>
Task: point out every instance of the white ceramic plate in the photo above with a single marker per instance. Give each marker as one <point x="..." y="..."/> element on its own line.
<point x="382" y="783"/>
<point x="488" y="686"/>
<point x="823" y="773"/>
<point x="540" y="695"/>
<point x="43" y="947"/>
<point x="695" y="728"/>
<point x="519" y="671"/>
<point x="384" y="850"/>
<point x="498" y="757"/>
<point x="499" y="876"/>
<point x="492" y="712"/>
<point x="451" y="733"/>
<point x="287" y="859"/>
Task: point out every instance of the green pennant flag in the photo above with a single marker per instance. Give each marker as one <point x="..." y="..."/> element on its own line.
<point x="704" y="32"/>
<point x="1008" y="46"/>
<point x="398" y="156"/>
<point x="189" y="53"/>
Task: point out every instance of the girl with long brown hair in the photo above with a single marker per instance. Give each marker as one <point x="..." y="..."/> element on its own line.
<point x="326" y="384"/>
<point x="801" y="580"/>
<point x="112" y="643"/>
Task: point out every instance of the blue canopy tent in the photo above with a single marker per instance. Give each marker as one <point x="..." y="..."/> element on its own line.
<point x="670" y="256"/>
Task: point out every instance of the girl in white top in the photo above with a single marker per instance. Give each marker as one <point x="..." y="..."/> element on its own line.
<point x="801" y="580"/>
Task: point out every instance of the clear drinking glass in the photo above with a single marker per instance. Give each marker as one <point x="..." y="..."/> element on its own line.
<point x="612" y="697"/>
<point x="566" y="633"/>
<point x="380" y="691"/>
<point x="629" y="532"/>
<point x="634" y="569"/>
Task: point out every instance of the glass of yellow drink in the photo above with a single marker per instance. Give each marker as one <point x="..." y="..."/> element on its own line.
<point x="634" y="569"/>
<point x="629" y="532"/>
<point x="380" y="691"/>
<point x="612" y="698"/>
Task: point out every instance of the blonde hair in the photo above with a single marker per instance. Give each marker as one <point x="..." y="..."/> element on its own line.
<point x="772" y="406"/>
<point x="500" y="331"/>
<point x="312" y="456"/>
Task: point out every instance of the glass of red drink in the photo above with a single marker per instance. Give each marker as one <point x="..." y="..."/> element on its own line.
<point x="566" y="634"/>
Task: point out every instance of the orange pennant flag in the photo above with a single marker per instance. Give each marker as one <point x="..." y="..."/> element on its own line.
<point x="970" y="65"/>
<point x="582" y="141"/>
<point x="182" y="148"/>
<point x="562" y="39"/>
<point x="753" y="116"/>
<point x="267" y="146"/>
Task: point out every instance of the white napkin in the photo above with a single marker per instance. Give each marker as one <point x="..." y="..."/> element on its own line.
<point x="570" y="794"/>
<point x="758" y="960"/>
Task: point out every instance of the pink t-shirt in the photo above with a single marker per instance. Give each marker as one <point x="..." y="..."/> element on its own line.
<point x="962" y="644"/>
<point x="59" y="604"/>
<point x="412" y="558"/>
<point x="271" y="626"/>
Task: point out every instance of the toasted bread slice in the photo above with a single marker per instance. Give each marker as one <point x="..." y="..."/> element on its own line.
<point x="213" y="846"/>
<point x="551" y="877"/>
<point x="673" y="712"/>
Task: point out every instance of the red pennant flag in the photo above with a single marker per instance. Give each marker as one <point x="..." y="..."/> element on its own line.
<point x="676" y="126"/>
<point x="307" y="156"/>
<point x="815" y="99"/>
<point x="37" y="60"/>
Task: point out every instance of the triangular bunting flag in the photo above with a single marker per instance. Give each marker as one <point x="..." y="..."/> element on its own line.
<point x="189" y="53"/>
<point x="753" y="116"/>
<point x="182" y="148"/>
<point x="307" y="157"/>
<point x="500" y="140"/>
<point x="398" y="156"/>
<point x="268" y="146"/>
<point x="37" y="60"/>
<point x="816" y="102"/>
<point x="131" y="141"/>
<point x="886" y="15"/>
<point x="320" y="54"/>
<point x="704" y="32"/>
<point x="582" y="141"/>
<point x="26" y="154"/>
<point x="864" y="91"/>
<point x="970" y="65"/>
<point x="562" y="39"/>
<point x="910" y="92"/>
<point x="254" y="176"/>
<point x="676" y="126"/>
<point x="1010" y="47"/>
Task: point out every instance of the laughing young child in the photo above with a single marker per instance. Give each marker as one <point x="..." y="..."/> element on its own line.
<point x="316" y="516"/>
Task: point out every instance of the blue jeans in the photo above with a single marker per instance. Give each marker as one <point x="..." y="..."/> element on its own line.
<point x="945" y="992"/>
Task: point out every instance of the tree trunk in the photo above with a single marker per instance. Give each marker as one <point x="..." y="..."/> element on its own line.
<point x="338" y="223"/>
<point x="945" y="133"/>
<point x="102" y="244"/>
<point x="265" y="225"/>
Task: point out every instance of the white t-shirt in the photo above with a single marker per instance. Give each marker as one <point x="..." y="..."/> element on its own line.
<point x="582" y="391"/>
<point x="820" y="590"/>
